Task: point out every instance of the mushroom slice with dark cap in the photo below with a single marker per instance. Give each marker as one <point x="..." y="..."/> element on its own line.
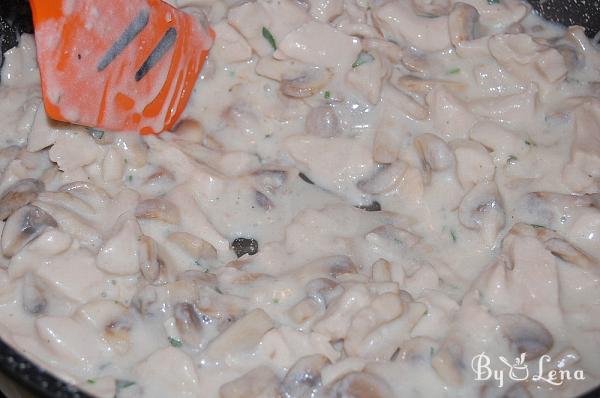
<point x="22" y="227"/>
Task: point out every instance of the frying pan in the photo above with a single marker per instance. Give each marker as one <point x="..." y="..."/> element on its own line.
<point x="43" y="384"/>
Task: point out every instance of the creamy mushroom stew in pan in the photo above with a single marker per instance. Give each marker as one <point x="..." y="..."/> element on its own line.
<point x="365" y="199"/>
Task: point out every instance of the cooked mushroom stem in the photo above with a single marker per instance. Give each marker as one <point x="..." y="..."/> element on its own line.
<point x="304" y="376"/>
<point x="463" y="23"/>
<point x="19" y="194"/>
<point x="23" y="226"/>
<point x="526" y="335"/>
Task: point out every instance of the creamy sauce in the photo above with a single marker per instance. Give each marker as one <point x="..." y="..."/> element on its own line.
<point x="404" y="193"/>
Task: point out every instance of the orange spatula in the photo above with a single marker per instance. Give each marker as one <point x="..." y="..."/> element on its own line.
<point x="121" y="65"/>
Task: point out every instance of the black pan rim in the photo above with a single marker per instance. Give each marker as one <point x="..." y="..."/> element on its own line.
<point x="44" y="384"/>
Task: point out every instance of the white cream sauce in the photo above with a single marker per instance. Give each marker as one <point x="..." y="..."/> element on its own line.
<point x="477" y="139"/>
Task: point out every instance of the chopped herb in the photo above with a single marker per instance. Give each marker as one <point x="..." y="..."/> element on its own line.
<point x="527" y="142"/>
<point x="197" y="263"/>
<point x="512" y="159"/>
<point x="276" y="301"/>
<point x="362" y="58"/>
<point x="218" y="290"/>
<point x="91" y="381"/>
<point x="431" y="351"/>
<point x="122" y="384"/>
<point x="269" y="37"/>
<point x="453" y="71"/>
<point x="125" y="160"/>
<point x="327" y="94"/>
<point x="537" y="226"/>
<point x="491" y="2"/>
<point x="453" y="236"/>
<point x="130" y="177"/>
<point x="95" y="133"/>
<point x="174" y="342"/>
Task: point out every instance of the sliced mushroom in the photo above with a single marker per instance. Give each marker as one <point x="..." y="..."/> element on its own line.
<point x="435" y="154"/>
<point x="19" y="194"/>
<point x="323" y="122"/>
<point x="196" y="247"/>
<point x="149" y="301"/>
<point x="385" y="179"/>
<point x="87" y="192"/>
<point x="361" y="385"/>
<point x="421" y="87"/>
<point x="241" y="336"/>
<point x="526" y="335"/>
<point x="34" y="301"/>
<point x="323" y="290"/>
<point x="260" y="382"/>
<point x="22" y="227"/>
<point x="463" y="23"/>
<point x="304" y="377"/>
<point x="307" y="84"/>
<point x="190" y="324"/>
<point x="158" y="209"/>
<point x="393" y="235"/>
<point x="568" y="253"/>
<point x="481" y="208"/>
<point x="430" y="8"/>
<point x="160" y="177"/>
<point x="148" y="258"/>
<point x="415" y="62"/>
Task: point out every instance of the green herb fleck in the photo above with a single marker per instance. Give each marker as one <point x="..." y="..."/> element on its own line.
<point x="431" y="351"/>
<point x="537" y="226"/>
<point x="218" y="290"/>
<point x="362" y="58"/>
<point x="269" y="37"/>
<point x="491" y="2"/>
<point x="130" y="178"/>
<point x="511" y="159"/>
<point x="174" y="342"/>
<point x="122" y="384"/>
<point x="276" y="301"/>
<point x="453" y="236"/>
<point x="454" y="71"/>
<point x="91" y="381"/>
<point x="327" y="94"/>
<point x="95" y="133"/>
<point x="125" y="160"/>
<point x="197" y="263"/>
<point x="530" y="143"/>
